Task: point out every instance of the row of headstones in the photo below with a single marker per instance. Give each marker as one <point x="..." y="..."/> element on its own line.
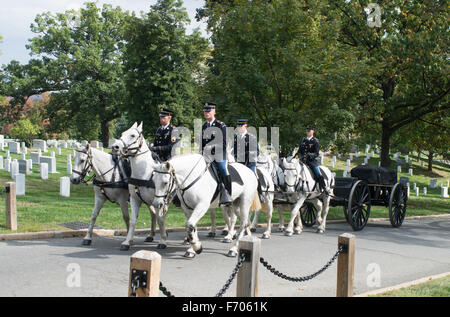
<point x="444" y="190"/>
<point x="64" y="182"/>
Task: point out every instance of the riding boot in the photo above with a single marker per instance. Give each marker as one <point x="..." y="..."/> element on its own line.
<point x="225" y="191"/>
<point x="260" y="194"/>
<point x="322" y="185"/>
<point x="176" y="201"/>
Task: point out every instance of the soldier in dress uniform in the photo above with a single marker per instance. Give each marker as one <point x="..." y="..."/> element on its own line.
<point x="166" y="137"/>
<point x="308" y="153"/>
<point x="245" y="147"/>
<point x="210" y="142"/>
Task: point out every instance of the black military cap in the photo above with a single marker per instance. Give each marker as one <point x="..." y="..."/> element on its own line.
<point x="310" y="127"/>
<point x="166" y="112"/>
<point x="208" y="106"/>
<point x="241" y="122"/>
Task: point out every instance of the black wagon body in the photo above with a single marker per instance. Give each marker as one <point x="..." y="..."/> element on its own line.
<point x="370" y="186"/>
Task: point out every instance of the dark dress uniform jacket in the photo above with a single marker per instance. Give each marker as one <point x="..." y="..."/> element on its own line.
<point x="250" y="153"/>
<point x="310" y="150"/>
<point x="165" y="140"/>
<point x="212" y="139"/>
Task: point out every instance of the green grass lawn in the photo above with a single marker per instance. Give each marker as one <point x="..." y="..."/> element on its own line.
<point x="434" y="288"/>
<point x="42" y="208"/>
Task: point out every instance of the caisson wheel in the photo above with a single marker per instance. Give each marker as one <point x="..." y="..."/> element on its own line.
<point x="397" y="205"/>
<point x="358" y="207"/>
<point x="308" y="214"/>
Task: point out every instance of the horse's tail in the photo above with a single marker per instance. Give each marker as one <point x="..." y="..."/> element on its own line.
<point x="256" y="203"/>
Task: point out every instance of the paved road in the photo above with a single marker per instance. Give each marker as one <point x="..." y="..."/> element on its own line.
<point x="40" y="267"/>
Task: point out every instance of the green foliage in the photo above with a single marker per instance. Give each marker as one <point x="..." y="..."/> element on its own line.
<point x="278" y="64"/>
<point x="25" y="131"/>
<point x="161" y="62"/>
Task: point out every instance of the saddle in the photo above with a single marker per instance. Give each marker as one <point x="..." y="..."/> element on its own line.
<point x="235" y="177"/>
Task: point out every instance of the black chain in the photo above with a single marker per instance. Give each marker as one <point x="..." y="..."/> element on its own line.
<point x="232" y="276"/>
<point x="164" y="290"/>
<point x="303" y="278"/>
<point x="134" y="286"/>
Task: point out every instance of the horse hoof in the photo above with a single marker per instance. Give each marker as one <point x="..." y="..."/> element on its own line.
<point x="265" y="236"/>
<point x="189" y="255"/>
<point x="288" y="234"/>
<point x="186" y="242"/>
<point x="199" y="250"/>
<point x="124" y="247"/>
<point x="297" y="232"/>
<point x="211" y="234"/>
<point x="232" y="254"/>
<point x="320" y="231"/>
<point x="224" y="232"/>
<point x="253" y="230"/>
<point x="226" y="241"/>
<point x="149" y="239"/>
<point x="161" y="246"/>
<point x="87" y="242"/>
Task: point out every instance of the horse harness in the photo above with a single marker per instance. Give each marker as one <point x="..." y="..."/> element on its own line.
<point x="121" y="183"/>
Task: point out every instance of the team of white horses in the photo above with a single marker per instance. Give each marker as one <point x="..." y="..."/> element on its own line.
<point x="189" y="177"/>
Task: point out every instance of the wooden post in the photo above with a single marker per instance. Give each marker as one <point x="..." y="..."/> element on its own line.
<point x="151" y="263"/>
<point x="247" y="278"/>
<point x="345" y="266"/>
<point x="10" y="201"/>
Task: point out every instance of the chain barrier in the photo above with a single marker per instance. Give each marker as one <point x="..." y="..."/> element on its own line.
<point x="135" y="283"/>
<point x="164" y="290"/>
<point x="303" y="278"/>
<point x="232" y="276"/>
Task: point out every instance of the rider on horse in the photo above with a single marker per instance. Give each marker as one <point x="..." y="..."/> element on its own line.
<point x="166" y="137"/>
<point x="214" y="145"/>
<point x="245" y="147"/>
<point x="308" y="153"/>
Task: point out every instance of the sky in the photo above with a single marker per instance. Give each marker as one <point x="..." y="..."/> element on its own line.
<point x="16" y="17"/>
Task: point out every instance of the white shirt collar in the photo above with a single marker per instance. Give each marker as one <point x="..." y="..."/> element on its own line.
<point x="211" y="123"/>
<point x="243" y="134"/>
<point x="309" y="139"/>
<point x="165" y="126"/>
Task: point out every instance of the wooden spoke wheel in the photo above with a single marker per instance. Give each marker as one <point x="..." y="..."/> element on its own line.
<point x="308" y="214"/>
<point x="358" y="207"/>
<point x="397" y="205"/>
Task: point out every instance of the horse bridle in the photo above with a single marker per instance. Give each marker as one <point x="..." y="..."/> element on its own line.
<point x="127" y="148"/>
<point x="296" y="176"/>
<point x="167" y="196"/>
<point x="87" y="166"/>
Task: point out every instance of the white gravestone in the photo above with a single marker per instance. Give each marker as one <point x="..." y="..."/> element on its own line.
<point x="19" y="179"/>
<point x="410" y="172"/>
<point x="30" y="162"/>
<point x="59" y="151"/>
<point x="14" y="147"/>
<point x="433" y="183"/>
<point x="414" y="186"/>
<point x="344" y="174"/>
<point x="7" y="164"/>
<point x="444" y="192"/>
<point x="40" y="144"/>
<point x="2" y="146"/>
<point x="365" y="161"/>
<point x="332" y="164"/>
<point x="95" y="144"/>
<point x="51" y="161"/>
<point x="64" y="186"/>
<point x="53" y="154"/>
<point x="448" y="183"/>
<point x="43" y="170"/>
<point x="399" y="169"/>
<point x="348" y="163"/>
<point x="25" y="150"/>
<point x="1" y="162"/>
<point x="424" y="191"/>
<point x="417" y="191"/>
<point x="24" y="167"/>
<point x="35" y="157"/>
<point x="407" y="190"/>
<point x="339" y="156"/>
<point x="351" y="157"/>
<point x="22" y="156"/>
<point x="357" y="154"/>
<point x="8" y="154"/>
<point x="69" y="167"/>
<point x="14" y="168"/>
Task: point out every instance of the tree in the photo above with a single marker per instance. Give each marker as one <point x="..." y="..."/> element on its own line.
<point x="78" y="54"/>
<point x="25" y="131"/>
<point x="161" y="63"/>
<point x="278" y="63"/>
<point x="406" y="59"/>
<point x="430" y="134"/>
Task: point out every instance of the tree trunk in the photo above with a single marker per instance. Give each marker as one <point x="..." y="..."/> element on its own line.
<point x="105" y="126"/>
<point x="385" y="146"/>
<point x="430" y="161"/>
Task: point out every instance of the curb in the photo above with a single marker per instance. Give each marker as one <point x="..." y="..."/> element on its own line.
<point x="403" y="285"/>
<point x="122" y="232"/>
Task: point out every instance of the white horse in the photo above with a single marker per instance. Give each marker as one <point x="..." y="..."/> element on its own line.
<point x="197" y="189"/>
<point x="109" y="183"/>
<point x="301" y="183"/>
<point x="132" y="145"/>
